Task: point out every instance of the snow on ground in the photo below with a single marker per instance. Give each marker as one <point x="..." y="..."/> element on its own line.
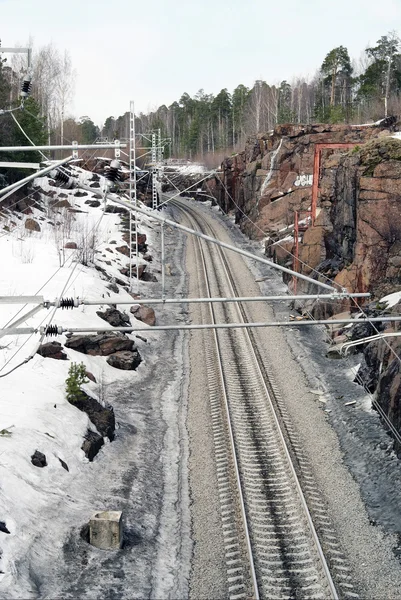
<point x="191" y="169"/>
<point x="34" y="414"/>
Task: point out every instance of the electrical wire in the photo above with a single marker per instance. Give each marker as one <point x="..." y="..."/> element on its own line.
<point x="277" y="243"/>
<point x="374" y="402"/>
<point x="27" y="137"/>
<point x="30" y="357"/>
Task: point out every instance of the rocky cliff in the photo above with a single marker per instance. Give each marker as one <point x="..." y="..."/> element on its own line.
<point x="343" y="184"/>
<point x="353" y="234"/>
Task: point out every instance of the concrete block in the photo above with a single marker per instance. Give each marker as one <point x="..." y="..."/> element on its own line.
<point x="106" y="530"/>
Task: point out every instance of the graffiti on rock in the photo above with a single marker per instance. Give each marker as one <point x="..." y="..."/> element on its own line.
<point x="303" y="180"/>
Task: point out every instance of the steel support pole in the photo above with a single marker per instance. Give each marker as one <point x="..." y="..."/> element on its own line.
<point x="306" y="323"/>
<point x="22" y="182"/>
<point x="332" y="297"/>
<point x="21" y="300"/>
<point x="22" y="319"/>
<point x="71" y="147"/>
<point x="157" y="217"/>
<point x="163" y="263"/>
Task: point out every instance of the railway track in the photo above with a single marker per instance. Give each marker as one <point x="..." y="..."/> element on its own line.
<point x="278" y="539"/>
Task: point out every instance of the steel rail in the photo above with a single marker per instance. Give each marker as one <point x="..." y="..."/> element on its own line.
<point x="314" y="535"/>
<point x="157" y="217"/>
<point x="301" y="495"/>
<point x="248" y="544"/>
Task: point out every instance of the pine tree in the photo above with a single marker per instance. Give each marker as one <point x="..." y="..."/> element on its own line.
<point x="285" y="114"/>
<point x="76" y="378"/>
<point x="383" y="75"/>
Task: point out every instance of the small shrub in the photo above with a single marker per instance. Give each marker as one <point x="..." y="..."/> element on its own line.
<point x="76" y="377"/>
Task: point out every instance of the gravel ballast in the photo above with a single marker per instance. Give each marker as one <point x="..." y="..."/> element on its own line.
<point x="358" y="477"/>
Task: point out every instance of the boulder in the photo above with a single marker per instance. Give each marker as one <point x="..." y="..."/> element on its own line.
<point x="114" y="209"/>
<point x="102" y="344"/>
<point x="123" y="250"/>
<point x="38" y="459"/>
<point x="146" y="276"/>
<point x="3" y="527"/>
<point x="92" y="444"/>
<point x="126" y="361"/>
<point x="126" y="271"/>
<point x="60" y="204"/>
<point x="52" y="350"/>
<point x="143" y="313"/>
<point x="32" y="225"/>
<point x="113" y="288"/>
<point x="71" y="245"/>
<point x="142" y="246"/>
<point x="114" y="317"/>
<point x="101" y="416"/>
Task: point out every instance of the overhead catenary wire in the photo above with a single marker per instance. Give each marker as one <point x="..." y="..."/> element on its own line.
<point x="277" y="243"/>
<point x="361" y="311"/>
<point x="27" y="137"/>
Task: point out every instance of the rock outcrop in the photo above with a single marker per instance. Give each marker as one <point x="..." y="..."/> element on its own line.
<point x="92" y="444"/>
<point x="273" y="176"/>
<point x="102" y="344"/>
<point x="101" y="416"/>
<point x="355" y="237"/>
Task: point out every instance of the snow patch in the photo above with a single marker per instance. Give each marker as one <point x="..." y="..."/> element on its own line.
<point x="391" y="299"/>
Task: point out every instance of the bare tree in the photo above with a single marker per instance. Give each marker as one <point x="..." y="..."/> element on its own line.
<point x="64" y="87"/>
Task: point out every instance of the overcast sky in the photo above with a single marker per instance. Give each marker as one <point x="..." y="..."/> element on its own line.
<point x="153" y="51"/>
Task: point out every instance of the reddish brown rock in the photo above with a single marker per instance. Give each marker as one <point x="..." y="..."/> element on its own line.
<point x="126" y="271"/>
<point x="102" y="344"/>
<point x="52" y="350"/>
<point x="126" y="361"/>
<point x="32" y="225"/>
<point x="123" y="250"/>
<point x="144" y="313"/>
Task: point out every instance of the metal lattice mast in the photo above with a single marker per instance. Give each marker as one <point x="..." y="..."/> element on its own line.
<point x="154" y="157"/>
<point x="132" y="193"/>
<point x="159" y="148"/>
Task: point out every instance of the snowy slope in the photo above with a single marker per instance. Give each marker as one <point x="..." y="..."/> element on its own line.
<point x="34" y="414"/>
